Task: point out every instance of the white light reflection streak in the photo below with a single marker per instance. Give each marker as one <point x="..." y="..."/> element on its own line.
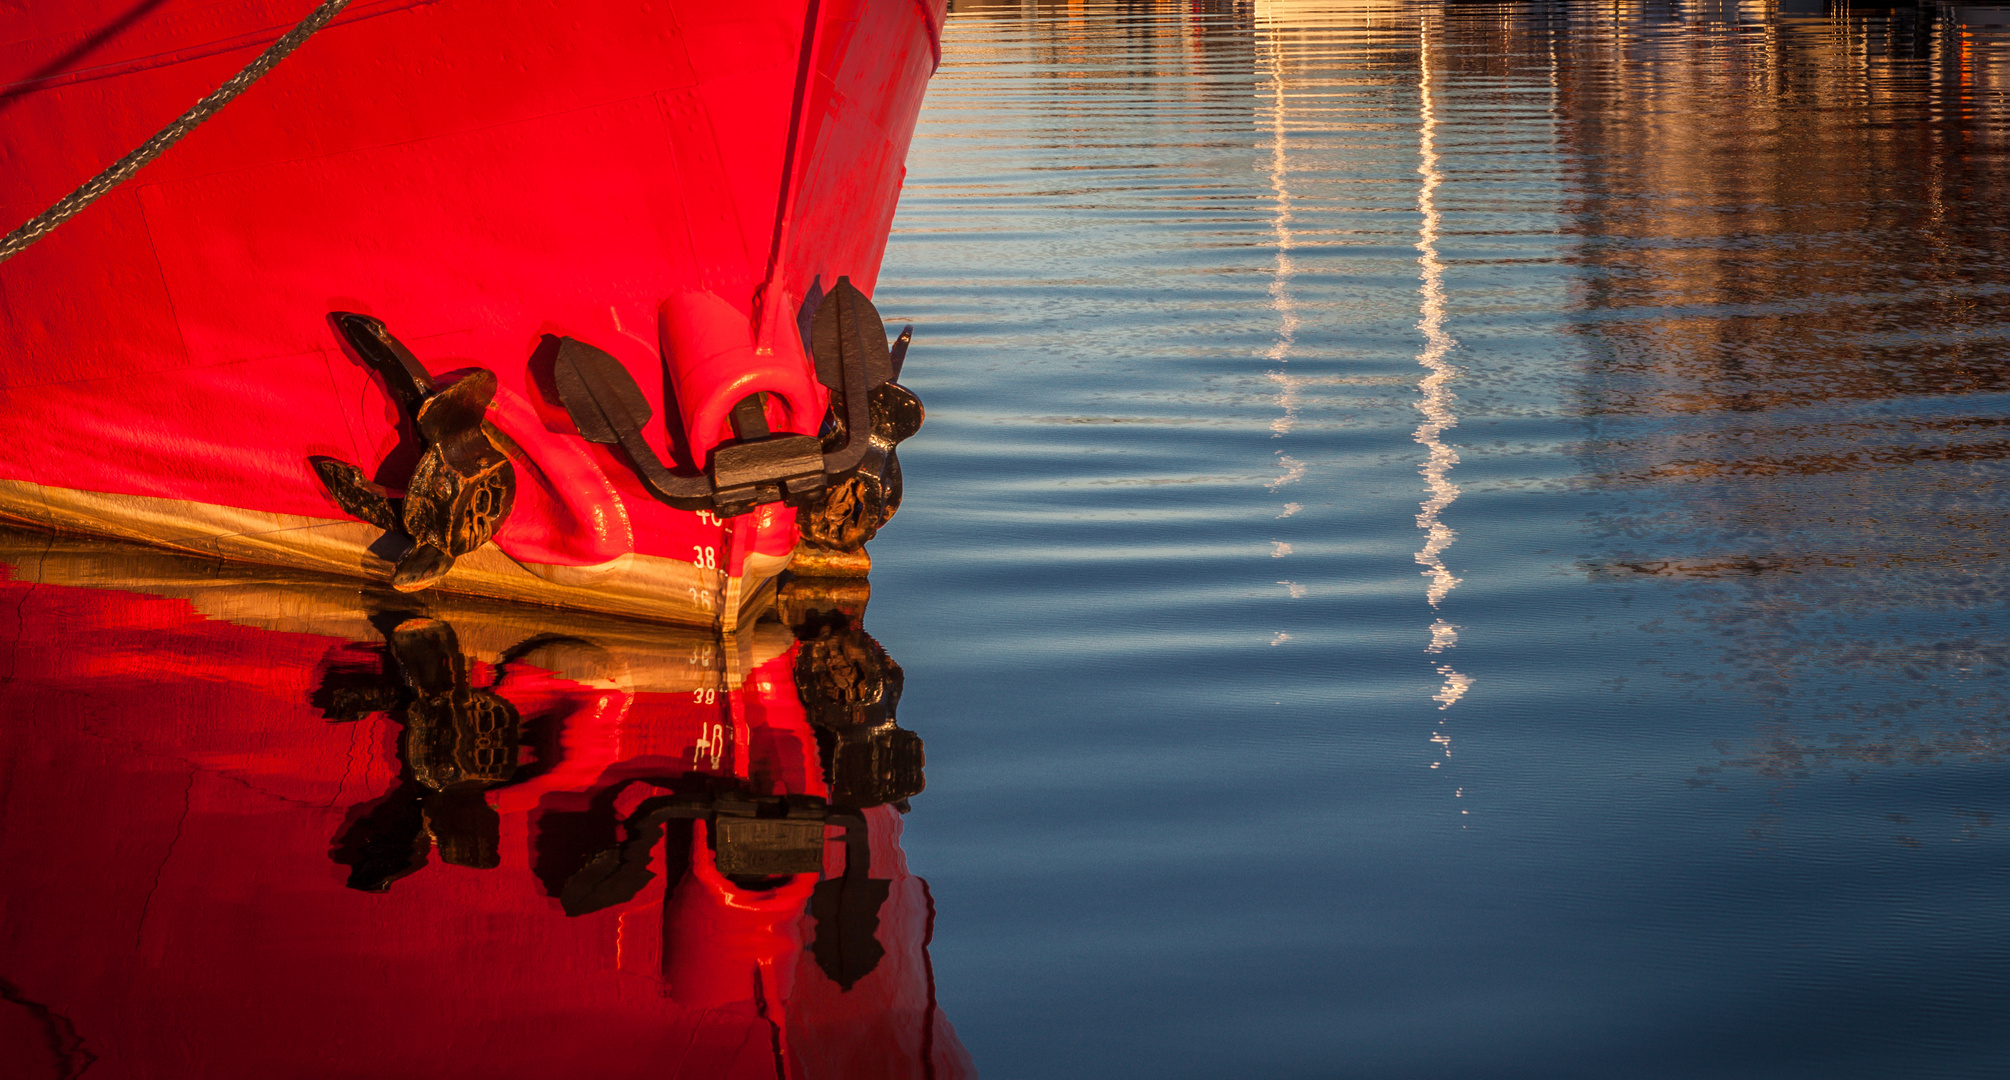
<point x="1282" y="239"/>
<point x="1436" y="397"/>
<point x="1286" y="307"/>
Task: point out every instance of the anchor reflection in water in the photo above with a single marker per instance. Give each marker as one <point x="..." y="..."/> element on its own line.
<point x="574" y="838"/>
<point x="756" y="831"/>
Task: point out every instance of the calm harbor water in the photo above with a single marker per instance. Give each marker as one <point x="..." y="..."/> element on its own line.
<point x="1460" y="540"/>
<point x="1449" y="541"/>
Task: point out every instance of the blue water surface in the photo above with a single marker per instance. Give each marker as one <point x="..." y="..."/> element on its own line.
<point x="1459" y="540"/>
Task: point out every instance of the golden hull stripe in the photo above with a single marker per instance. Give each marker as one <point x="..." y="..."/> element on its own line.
<point x="636" y="586"/>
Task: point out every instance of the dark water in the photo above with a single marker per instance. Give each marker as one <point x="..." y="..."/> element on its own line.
<point x="1449" y="541"/>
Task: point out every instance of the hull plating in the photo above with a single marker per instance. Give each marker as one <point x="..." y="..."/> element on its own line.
<point x="477" y="177"/>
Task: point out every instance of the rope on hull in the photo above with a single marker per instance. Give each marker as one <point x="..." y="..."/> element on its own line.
<point x="95" y="188"/>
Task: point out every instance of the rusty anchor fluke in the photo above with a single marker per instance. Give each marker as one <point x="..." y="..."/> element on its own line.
<point x="463" y="486"/>
<point x="843" y="482"/>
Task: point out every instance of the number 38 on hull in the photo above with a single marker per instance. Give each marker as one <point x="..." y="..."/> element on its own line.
<point x="562" y="301"/>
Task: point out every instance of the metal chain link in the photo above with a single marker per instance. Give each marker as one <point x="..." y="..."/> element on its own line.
<point x="69" y="205"/>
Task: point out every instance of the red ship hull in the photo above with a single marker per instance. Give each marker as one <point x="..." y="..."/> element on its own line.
<point x="667" y="181"/>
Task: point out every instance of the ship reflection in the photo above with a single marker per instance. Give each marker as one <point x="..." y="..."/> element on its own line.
<point x="691" y="840"/>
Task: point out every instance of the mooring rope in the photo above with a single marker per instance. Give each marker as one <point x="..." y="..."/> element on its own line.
<point x="69" y="205"/>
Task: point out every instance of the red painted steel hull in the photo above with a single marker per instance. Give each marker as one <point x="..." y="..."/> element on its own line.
<point x="172" y="788"/>
<point x="664" y="180"/>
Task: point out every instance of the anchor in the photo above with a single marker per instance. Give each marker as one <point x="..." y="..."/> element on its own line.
<point x="869" y="413"/>
<point x="464" y="484"/>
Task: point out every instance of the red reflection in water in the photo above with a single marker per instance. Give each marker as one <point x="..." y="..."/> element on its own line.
<point x="205" y="771"/>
